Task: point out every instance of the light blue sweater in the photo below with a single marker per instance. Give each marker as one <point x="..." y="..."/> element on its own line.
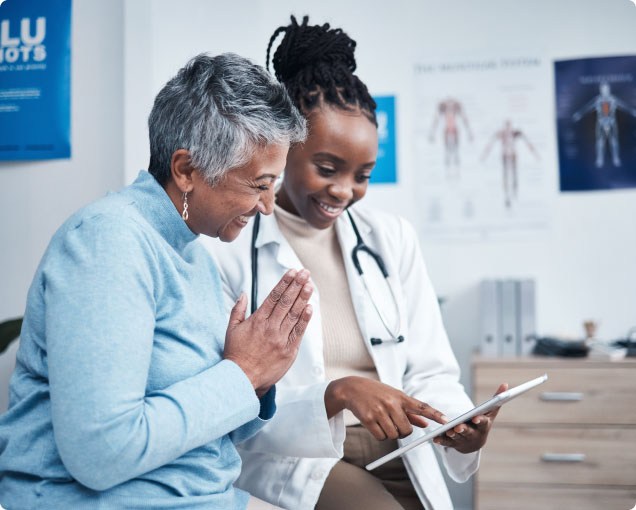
<point x="120" y="397"/>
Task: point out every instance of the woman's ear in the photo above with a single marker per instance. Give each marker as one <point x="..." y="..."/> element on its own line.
<point x="181" y="169"/>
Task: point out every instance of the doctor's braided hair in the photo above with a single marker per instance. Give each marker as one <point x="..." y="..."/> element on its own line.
<point x="316" y="64"/>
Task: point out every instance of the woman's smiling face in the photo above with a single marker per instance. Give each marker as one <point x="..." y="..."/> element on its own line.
<point x="331" y="170"/>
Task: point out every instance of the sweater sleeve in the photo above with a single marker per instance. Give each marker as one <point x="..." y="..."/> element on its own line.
<point x="267" y="409"/>
<point x="301" y="427"/>
<point x="99" y="294"/>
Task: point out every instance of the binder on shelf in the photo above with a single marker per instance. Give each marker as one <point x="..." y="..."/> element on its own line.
<point x="526" y="323"/>
<point x="508" y="316"/>
<point x="489" y="297"/>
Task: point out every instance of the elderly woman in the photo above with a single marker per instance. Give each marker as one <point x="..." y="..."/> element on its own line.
<point x="131" y="389"/>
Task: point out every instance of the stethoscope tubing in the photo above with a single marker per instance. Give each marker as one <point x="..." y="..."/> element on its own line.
<point x="360" y="246"/>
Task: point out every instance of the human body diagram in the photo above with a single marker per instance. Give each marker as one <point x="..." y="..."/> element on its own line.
<point x="605" y="104"/>
<point x="507" y="136"/>
<point x="449" y="111"/>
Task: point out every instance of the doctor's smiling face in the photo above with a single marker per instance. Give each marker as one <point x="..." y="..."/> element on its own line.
<point x="331" y="170"/>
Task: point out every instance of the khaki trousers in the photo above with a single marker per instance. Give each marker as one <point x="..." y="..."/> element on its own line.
<point x="351" y="487"/>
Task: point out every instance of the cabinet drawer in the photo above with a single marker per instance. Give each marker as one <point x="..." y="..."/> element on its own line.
<point x="493" y="497"/>
<point x="560" y="455"/>
<point x="571" y="395"/>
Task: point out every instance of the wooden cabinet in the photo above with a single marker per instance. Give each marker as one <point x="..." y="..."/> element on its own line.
<point x="570" y="443"/>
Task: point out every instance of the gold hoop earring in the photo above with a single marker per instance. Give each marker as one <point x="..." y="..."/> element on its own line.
<point x="184" y="214"/>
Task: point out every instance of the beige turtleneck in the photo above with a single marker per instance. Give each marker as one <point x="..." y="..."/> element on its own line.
<point x="344" y="350"/>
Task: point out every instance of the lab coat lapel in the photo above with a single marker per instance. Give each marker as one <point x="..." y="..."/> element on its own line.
<point x="283" y="258"/>
<point x="269" y="233"/>
<point x="362" y="307"/>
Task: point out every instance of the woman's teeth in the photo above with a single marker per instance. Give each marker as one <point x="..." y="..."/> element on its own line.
<point x="244" y="219"/>
<point x="329" y="208"/>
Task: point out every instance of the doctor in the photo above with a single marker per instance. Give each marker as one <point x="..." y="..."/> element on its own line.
<point x="375" y="357"/>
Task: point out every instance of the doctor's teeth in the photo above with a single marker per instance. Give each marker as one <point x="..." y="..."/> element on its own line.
<point x="328" y="208"/>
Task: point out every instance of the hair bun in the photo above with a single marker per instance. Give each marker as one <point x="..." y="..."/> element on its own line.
<point x="308" y="46"/>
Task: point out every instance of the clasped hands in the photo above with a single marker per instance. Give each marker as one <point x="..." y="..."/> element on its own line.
<point x="266" y="343"/>
<point x="389" y="413"/>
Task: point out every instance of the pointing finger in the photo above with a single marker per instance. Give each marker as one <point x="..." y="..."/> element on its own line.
<point x="414" y="406"/>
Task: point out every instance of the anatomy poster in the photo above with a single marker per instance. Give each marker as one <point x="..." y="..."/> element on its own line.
<point x="484" y="142"/>
<point x="35" y="79"/>
<point x="596" y="122"/>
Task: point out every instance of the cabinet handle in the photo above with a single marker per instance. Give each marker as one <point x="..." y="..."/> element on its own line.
<point x="563" y="457"/>
<point x="561" y="396"/>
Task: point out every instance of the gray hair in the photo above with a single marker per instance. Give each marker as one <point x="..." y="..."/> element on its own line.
<point x="221" y="109"/>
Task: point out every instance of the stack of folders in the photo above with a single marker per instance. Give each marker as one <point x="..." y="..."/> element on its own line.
<point x="507" y="317"/>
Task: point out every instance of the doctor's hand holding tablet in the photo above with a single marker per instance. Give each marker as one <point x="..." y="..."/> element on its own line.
<point x="386" y="412"/>
<point x="467" y="432"/>
<point x="389" y="413"/>
<point x="471" y="436"/>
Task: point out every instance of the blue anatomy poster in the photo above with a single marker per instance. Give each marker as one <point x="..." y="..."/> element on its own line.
<point x="596" y="123"/>
<point x="35" y="76"/>
<point x="385" y="166"/>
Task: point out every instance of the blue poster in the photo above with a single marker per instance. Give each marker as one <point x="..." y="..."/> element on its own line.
<point x="596" y="123"/>
<point x="35" y="79"/>
<point x="385" y="166"/>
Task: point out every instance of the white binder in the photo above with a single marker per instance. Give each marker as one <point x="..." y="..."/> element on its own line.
<point x="526" y="321"/>
<point x="508" y="310"/>
<point x="490" y="324"/>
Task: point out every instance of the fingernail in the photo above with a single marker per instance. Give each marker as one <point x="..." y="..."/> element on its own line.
<point x="450" y="434"/>
<point x="445" y="418"/>
<point x="303" y="275"/>
<point x="307" y="288"/>
<point x="291" y="273"/>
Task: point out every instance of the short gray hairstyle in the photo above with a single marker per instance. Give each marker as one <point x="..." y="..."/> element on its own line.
<point x="221" y="109"/>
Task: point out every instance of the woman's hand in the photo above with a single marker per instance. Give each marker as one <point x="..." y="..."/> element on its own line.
<point x="266" y="343"/>
<point x="381" y="409"/>
<point x="470" y="437"/>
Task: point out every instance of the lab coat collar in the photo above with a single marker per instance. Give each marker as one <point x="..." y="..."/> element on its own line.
<point x="270" y="233"/>
<point x="346" y="235"/>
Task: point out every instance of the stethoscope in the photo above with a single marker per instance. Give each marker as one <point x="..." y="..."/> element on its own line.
<point x="394" y="335"/>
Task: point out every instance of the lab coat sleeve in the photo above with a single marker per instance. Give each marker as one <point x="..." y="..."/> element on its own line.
<point x="300" y="427"/>
<point x="432" y="372"/>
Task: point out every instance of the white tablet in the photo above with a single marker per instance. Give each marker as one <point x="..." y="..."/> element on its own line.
<point x="496" y="401"/>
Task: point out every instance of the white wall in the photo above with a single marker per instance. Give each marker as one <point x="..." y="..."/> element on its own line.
<point x="37" y="196"/>
<point x="584" y="264"/>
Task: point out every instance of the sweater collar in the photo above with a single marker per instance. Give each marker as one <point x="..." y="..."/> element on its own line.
<point x="155" y="206"/>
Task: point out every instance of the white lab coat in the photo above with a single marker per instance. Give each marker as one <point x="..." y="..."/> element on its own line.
<point x="287" y="462"/>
